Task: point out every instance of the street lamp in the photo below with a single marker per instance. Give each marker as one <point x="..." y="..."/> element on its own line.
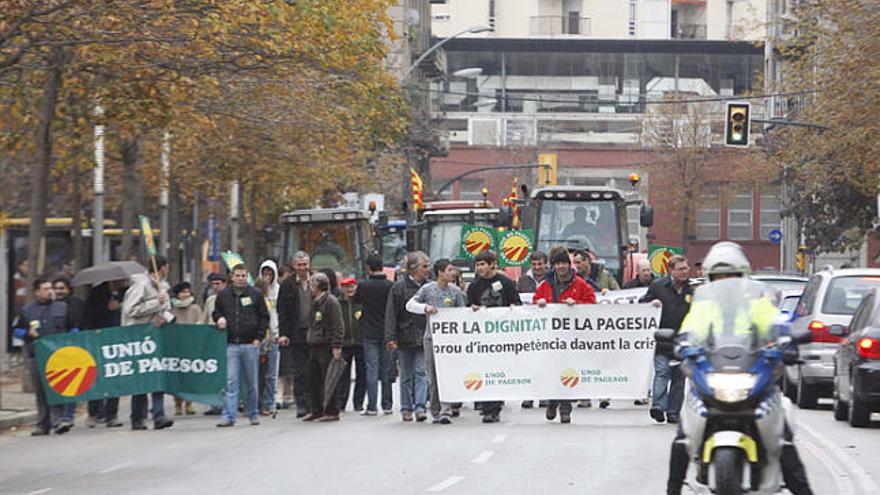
<point x="435" y="46"/>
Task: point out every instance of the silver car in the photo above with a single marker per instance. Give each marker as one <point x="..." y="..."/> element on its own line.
<point x="830" y="298"/>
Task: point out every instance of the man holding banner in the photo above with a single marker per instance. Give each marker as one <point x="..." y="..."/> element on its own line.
<point x="562" y="286"/>
<point x="44" y="316"/>
<point x="147" y="301"/>
<point x="491" y="289"/>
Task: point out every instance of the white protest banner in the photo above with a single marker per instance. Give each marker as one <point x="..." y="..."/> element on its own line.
<point x="623" y="296"/>
<point x="556" y="352"/>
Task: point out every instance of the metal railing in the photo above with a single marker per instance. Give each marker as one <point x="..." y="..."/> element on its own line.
<point x="553" y="25"/>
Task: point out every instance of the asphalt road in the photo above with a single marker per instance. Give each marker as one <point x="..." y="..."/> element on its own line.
<point x="612" y="451"/>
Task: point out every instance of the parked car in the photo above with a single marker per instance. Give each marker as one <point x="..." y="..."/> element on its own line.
<point x="830" y="298"/>
<point x="857" y="364"/>
<point x="788" y="303"/>
<point x="782" y="281"/>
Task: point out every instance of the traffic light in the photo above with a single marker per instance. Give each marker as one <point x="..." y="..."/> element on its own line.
<point x="801" y="258"/>
<point x="736" y="126"/>
<point x="547" y="169"/>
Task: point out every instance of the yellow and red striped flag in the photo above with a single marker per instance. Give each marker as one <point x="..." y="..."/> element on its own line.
<point x="418" y="192"/>
<point x="512" y="201"/>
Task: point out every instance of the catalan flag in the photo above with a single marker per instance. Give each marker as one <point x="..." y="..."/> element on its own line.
<point x="418" y="192"/>
<point x="512" y="201"/>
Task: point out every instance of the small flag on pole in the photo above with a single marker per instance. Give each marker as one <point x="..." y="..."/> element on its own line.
<point x="147" y="235"/>
<point x="512" y="201"/>
<point x="418" y="192"/>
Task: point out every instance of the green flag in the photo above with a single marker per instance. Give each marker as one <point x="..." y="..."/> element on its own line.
<point x="659" y="256"/>
<point x="475" y="239"/>
<point x="514" y="247"/>
<point x="232" y="260"/>
<point x="147" y="235"/>
<point x="131" y="360"/>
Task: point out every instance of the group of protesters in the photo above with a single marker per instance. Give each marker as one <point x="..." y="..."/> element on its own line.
<point x="286" y="329"/>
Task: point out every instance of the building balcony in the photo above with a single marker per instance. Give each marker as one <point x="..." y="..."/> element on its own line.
<point x="689" y="31"/>
<point x="559" y="25"/>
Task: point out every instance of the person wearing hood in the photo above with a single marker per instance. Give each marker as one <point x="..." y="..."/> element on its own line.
<point x="147" y="301"/>
<point x="269" y="275"/>
<point x="185" y="311"/>
<point x="562" y="286"/>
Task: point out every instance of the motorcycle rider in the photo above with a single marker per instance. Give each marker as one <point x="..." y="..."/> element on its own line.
<point x="727" y="260"/>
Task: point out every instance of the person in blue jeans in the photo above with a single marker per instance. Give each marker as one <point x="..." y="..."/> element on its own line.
<point x="673" y="293"/>
<point x="242" y="313"/>
<point x="147" y="302"/>
<point x="372" y="293"/>
<point x="405" y="332"/>
<point x="271" y="287"/>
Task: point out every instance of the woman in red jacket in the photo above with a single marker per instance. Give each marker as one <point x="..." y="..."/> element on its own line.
<point x="562" y="286"/>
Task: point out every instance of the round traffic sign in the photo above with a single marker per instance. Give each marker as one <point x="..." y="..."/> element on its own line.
<point x="775" y="236"/>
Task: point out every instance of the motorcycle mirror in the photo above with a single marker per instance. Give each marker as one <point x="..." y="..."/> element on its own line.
<point x="837" y="330"/>
<point x="664" y="335"/>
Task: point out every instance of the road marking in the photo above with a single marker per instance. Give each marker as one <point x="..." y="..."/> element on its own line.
<point x="448" y="482"/>
<point x="115" y="468"/>
<point x="843" y="482"/>
<point x="861" y="476"/>
<point x="500" y="438"/>
<point x="483" y="457"/>
<point x="38" y="492"/>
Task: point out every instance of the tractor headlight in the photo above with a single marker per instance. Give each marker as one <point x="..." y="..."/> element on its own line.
<point x="731" y="387"/>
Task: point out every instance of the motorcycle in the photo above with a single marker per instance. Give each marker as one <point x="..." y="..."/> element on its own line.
<point x="734" y="414"/>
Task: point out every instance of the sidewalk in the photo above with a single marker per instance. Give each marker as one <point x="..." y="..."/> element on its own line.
<point x="17" y="408"/>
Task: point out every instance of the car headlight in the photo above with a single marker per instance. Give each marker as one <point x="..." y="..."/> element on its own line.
<point x="731" y="387"/>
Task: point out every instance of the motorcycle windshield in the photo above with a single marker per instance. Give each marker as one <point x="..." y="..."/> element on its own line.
<point x="722" y="321"/>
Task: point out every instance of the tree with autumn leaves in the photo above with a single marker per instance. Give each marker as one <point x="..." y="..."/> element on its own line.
<point x="290" y="99"/>
<point x="828" y="53"/>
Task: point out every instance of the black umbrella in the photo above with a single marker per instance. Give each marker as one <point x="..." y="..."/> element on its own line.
<point x="335" y="370"/>
<point x="105" y="272"/>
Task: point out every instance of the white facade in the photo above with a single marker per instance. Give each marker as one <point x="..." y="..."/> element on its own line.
<point x="604" y="19"/>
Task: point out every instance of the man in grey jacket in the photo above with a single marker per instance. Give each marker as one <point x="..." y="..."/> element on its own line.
<point x="147" y="301"/>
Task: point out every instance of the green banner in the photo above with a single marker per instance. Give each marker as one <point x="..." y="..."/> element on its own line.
<point x="659" y="257"/>
<point x="475" y="239"/>
<point x="147" y="235"/>
<point x="189" y="360"/>
<point x="514" y="247"/>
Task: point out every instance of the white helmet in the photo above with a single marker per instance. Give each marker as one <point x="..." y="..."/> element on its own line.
<point x="726" y="258"/>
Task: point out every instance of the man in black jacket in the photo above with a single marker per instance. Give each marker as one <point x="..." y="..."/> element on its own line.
<point x="674" y="294"/>
<point x="294" y="307"/>
<point x="37" y="319"/>
<point x="241" y="311"/>
<point x="405" y="332"/>
<point x="491" y="289"/>
<point x="373" y="294"/>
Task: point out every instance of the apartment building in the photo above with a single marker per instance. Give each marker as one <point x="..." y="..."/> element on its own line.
<point x="582" y="78"/>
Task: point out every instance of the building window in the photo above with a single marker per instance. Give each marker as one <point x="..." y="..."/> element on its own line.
<point x="492" y="15"/>
<point x="771" y="207"/>
<point x="739" y="217"/>
<point x="632" y="17"/>
<point x="708" y="225"/>
<point x="470" y="189"/>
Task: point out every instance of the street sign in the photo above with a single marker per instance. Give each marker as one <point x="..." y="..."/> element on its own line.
<point x="775" y="236"/>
